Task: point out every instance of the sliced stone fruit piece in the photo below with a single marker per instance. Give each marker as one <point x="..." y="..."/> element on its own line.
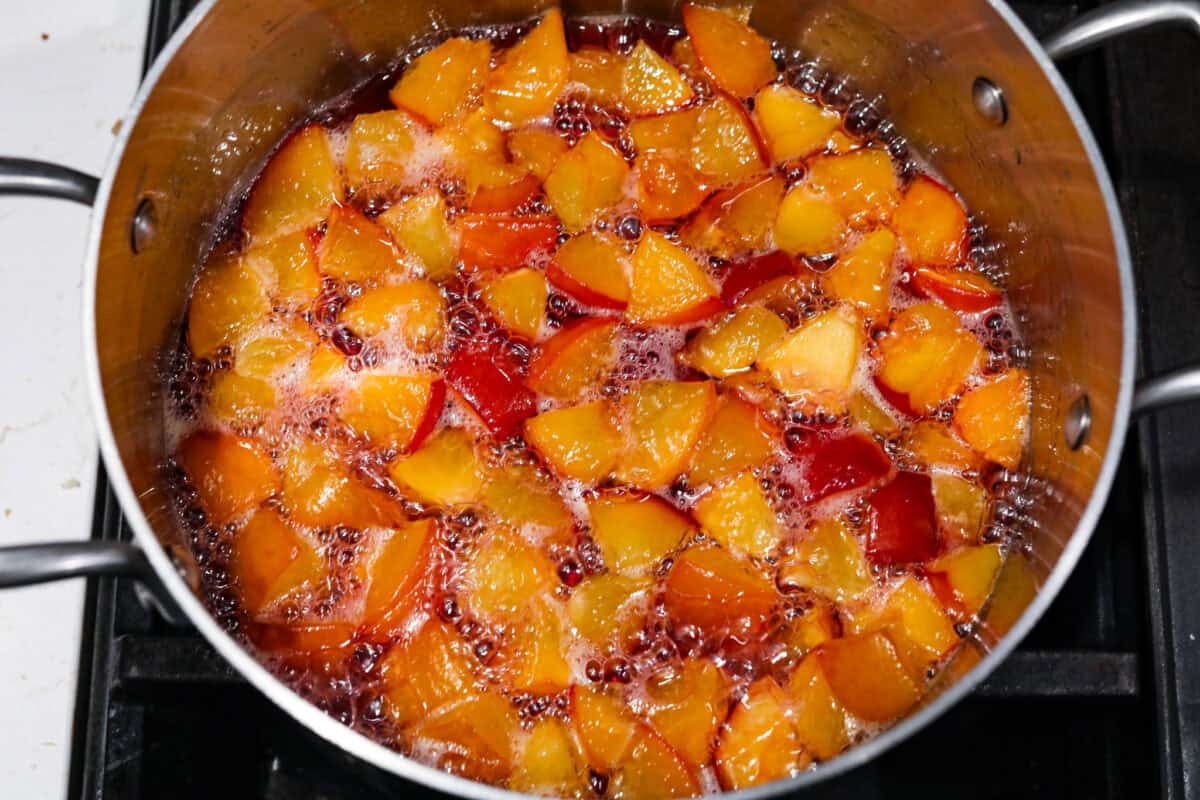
<point x="661" y="422"/>
<point x="903" y="521"/>
<point x="518" y="299"/>
<point x="927" y="356"/>
<point x="271" y="560"/>
<point x="739" y="437"/>
<point x="737" y="220"/>
<point x="819" y="719"/>
<point x="445" y="80"/>
<point x="653" y="769"/>
<point x="605" y="726"/>
<point x="668" y="286"/>
<point x="736" y="56"/>
<point x="550" y="762"/>
<point x="593" y="267"/>
<point x="994" y="416"/>
<point x="575" y="359"/>
<point x="758" y="743"/>
<point x="970" y="573"/>
<point x="414" y="309"/>
<point x="320" y="490"/>
<point x="738" y="515"/>
<point x="828" y="560"/>
<point x="297" y="187"/>
<point x="397" y="572"/>
<point x="808" y="224"/>
<point x="505" y="241"/>
<point x="709" y="588"/>
<point x="817" y="360"/>
<point x="434" y="668"/>
<point x="536" y="150"/>
<point x="793" y="125"/>
<point x="600" y="73"/>
<point x="650" y="84"/>
<point x="231" y="474"/>
<point x="445" y="471"/>
<point x="229" y="298"/>
<point x="418" y="225"/>
<point x="867" y="677"/>
<point x="863" y="275"/>
<point x="395" y="412"/>
<point x="733" y="344"/>
<point x="531" y="74"/>
<point x="686" y="703"/>
<point x="587" y="181"/>
<point x="862" y="184"/>
<point x="579" y="443"/>
<point x="635" y="532"/>
<point x="725" y="145"/>
<point x="356" y="249"/>
<point x="488" y="379"/>
<point x="608" y="606"/>
<point x="931" y="224"/>
<point x="388" y="151"/>
<point x="473" y="737"/>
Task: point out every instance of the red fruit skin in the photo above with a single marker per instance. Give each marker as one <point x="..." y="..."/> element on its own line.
<point x="589" y="297"/>
<point x="487" y="379"/>
<point x="903" y="521"/>
<point x="840" y="463"/>
<point x="925" y="282"/>
<point x="745" y="275"/>
<point x="504" y="242"/>
<point x="896" y="399"/>
<point x="433" y="412"/>
<point x="505" y="199"/>
<point x="696" y="313"/>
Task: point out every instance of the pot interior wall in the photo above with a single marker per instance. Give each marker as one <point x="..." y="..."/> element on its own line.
<point x="248" y="71"/>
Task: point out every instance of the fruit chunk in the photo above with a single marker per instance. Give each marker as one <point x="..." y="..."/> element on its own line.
<point x="712" y="590"/>
<point x="650" y="85"/>
<point x="732" y="52"/>
<point x="574" y="359"/>
<point x="393" y="411"/>
<point x="503" y="241"/>
<point x="758" y="743"/>
<point x="817" y="360"/>
<point x="531" y="74"/>
<point x="505" y="198"/>
<point x="239" y="401"/>
<point x="528" y="502"/>
<point x="733" y="344"/>
<point x="668" y="134"/>
<point x="862" y="184"/>
<point x="668" y="286"/>
<point x="605" y="606"/>
<point x="867" y="677"/>
<point x="579" y="443"/>
<point x="518" y="299"/>
<point x="738" y="515"/>
<point x="433" y="669"/>
<point x="604" y="724"/>
<point x="418" y="224"/>
<point x="534" y="654"/>
<point x="356" y="249"/>
<point x="270" y="561"/>
<point x="834" y="464"/>
<point x="504" y="576"/>
<point x="291" y="262"/>
<point x="962" y="508"/>
<point x="320" y="490"/>
<point x="970" y="573"/>
<point x="599" y="72"/>
<point x="653" y="769"/>
<point x="931" y="224"/>
<point x="829" y="561"/>
<point x="414" y="309"/>
<point x="386" y="151"/>
<point x="272" y="350"/>
<point x="865" y="410"/>
<point x="587" y="181"/>
<point x="486" y="377"/>
<point x="661" y="422"/>
<point x="686" y="704"/>
<point x="536" y="150"/>
<point x="667" y="187"/>
<point x="918" y="626"/>
<point x="903" y="522"/>
<point x="636" y="532"/>
<point x="960" y="289"/>
<point x="594" y="268"/>
<point x="737" y="438"/>
<point x="397" y="572"/>
<point x="445" y="80"/>
<point x="295" y="189"/>
<point x="472" y="737"/>
<point x="927" y="355"/>
<point x="725" y="146"/>
<point x="808" y="224"/>
<point x="746" y="275"/>
<point x="445" y="471"/>
<point x="474" y="151"/>
<point x="550" y="763"/>
<point x="231" y="474"/>
<point x="993" y="417"/>
<point x="863" y="276"/>
<point x="229" y="298"/>
<point x="819" y="719"/>
<point x="738" y="219"/>
<point x="933" y="444"/>
<point x="792" y="125"/>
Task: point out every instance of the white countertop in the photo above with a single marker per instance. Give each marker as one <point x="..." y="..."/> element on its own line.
<point x="70" y="71"/>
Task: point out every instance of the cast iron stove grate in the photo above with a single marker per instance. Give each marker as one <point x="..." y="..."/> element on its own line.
<point x="1101" y="701"/>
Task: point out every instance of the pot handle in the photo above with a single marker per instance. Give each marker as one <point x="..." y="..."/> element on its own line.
<point x="22" y="176"/>
<point x="1092" y="30"/>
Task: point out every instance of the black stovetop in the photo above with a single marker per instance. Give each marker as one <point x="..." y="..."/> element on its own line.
<point x="1101" y="701"/>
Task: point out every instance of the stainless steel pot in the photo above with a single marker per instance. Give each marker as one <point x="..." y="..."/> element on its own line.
<point x="965" y="80"/>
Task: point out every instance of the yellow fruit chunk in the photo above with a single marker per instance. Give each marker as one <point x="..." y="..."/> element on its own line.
<point x="593" y="267"/>
<point x="433" y="669"/>
<point x="475" y="150"/>
<point x="866" y="411"/>
<point x="653" y="769"/>
<point x="415" y="310"/>
<point x="575" y="359"/>
<point x="737" y="514"/>
<point x="867" y="678"/>
<point x="686" y="704"/>
<point x="863" y="275"/>
<point x="445" y="471"/>
<point x="971" y="573"/>
<point x="505" y="575"/>
<point x="270" y="351"/>
<point x="397" y="571"/>
<point x="733" y="53"/>
<point x="295" y="189"/>
<point x="668" y="134"/>
<point x="534" y="654"/>
<point x="808" y="224"/>
<point x="528" y="502"/>
<point x="319" y="490"/>
<point x="444" y="81"/>
<point x="475" y="736"/>
<point x="229" y="298"/>
<point x="738" y="219"/>
<point x="819" y="719"/>
<point x="418" y="224"/>
<point x="737" y="438"/>
<point x="725" y="146"/>
<point x="927" y="355"/>
<point x="291" y="262"/>
<point x="609" y="605"/>
<point x="932" y="443"/>
<point x="356" y="249"/>
<point x="394" y="411"/>
<point x="962" y="507"/>
<point x="518" y="299"/>
<point x="271" y="561"/>
<point x="758" y="744"/>
<point x="536" y="150"/>
<point x="817" y="625"/>
<point x="661" y="422"/>
<point x="550" y="763"/>
<point x="862" y="184"/>
<point x="635" y="532"/>
<point x="585" y="182"/>
<point x="733" y="344"/>
<point x="993" y="417"/>
<point x="793" y="125"/>
<point x="230" y="473"/>
<point x="239" y="401"/>
<point x="579" y="442"/>
<point x="386" y="151"/>
<point x="918" y="626"/>
<point x="531" y="75"/>
<point x="668" y="286"/>
<point x="829" y="561"/>
<point x="604" y="724"/>
<point x="817" y="360"/>
<point x="599" y="72"/>
<point x="650" y="85"/>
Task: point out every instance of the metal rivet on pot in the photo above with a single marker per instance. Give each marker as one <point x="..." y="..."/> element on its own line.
<point x="989" y="101"/>
<point x="1078" y="422"/>
<point x="143" y="226"/>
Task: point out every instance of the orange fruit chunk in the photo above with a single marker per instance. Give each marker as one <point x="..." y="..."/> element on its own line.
<point x="586" y="181"/>
<point x="818" y="359"/>
<point x="473" y="737"/>
<point x="534" y="654"/>
<point x="393" y="411"/>
<point x="414" y="309"/>
<point x="829" y="561"/>
<point x="446" y="470"/>
<point x="432" y="669"/>
<point x="599" y="72"/>
<point x="240" y="401"/>
<point x="863" y="275"/>
<point x="418" y="225"/>
<point x="635" y="532"/>
<point x="867" y="412"/>
<point x="733" y="344"/>
<point x="388" y="150"/>
<point x="397" y="571"/>
<point x="714" y="591"/>
<point x="758" y="743"/>
<point x="686" y="705"/>
<point x="994" y="416"/>
<point x="295" y="189"/>
<point x="594" y="268"/>
<point x="931" y="224"/>
<point x="518" y="299"/>
<point x="474" y="147"/>
<point x="725" y="146"/>
<point x="667" y="187"/>
<point x="604" y="724"/>
<point x="505" y="575"/>
<point x="608" y="605"/>
<point x="962" y="507"/>
<point x="445" y="80"/>
<point x="291" y="262"/>
<point x="653" y="769"/>
<point x="320" y="490"/>
<point x="650" y="84"/>
<point x="862" y="184"/>
<point x="536" y="150"/>
<point x="531" y="74"/>
<point x="934" y="444"/>
<point x="356" y="249"/>
<point x="927" y="355"/>
<point x="733" y="53"/>
<point x="738" y="515"/>
<point x="819" y="719"/>
<point x="737" y="438"/>
<point x="918" y="626"/>
<point x="229" y="298"/>
<point x="867" y="677"/>
<point x="520" y="497"/>
<point x="971" y="573"/>
<point x="738" y="219"/>
<point x="793" y="125"/>
<point x="808" y="223"/>
<point x="578" y="442"/>
<point x="271" y="561"/>
<point x="550" y="763"/>
<point x="231" y="474"/>
<point x="669" y="134"/>
<point x="661" y="422"/>
<point x="574" y="359"/>
<point x="668" y="286"/>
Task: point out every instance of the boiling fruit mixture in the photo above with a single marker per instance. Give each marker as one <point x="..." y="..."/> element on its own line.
<point x="603" y="408"/>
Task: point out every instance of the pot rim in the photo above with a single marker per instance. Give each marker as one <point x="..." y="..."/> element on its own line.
<point x="393" y="762"/>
